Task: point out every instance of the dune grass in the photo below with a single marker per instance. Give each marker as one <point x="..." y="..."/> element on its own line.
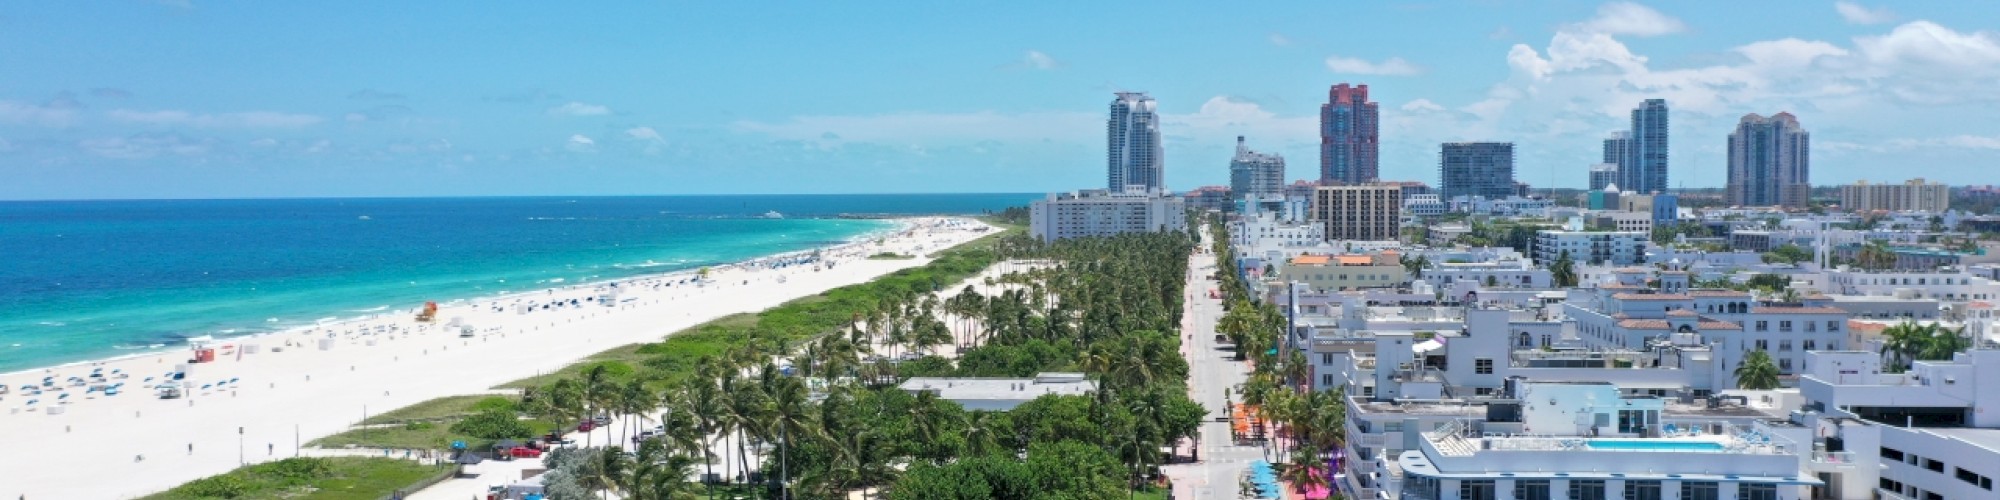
<point x="330" y="478"/>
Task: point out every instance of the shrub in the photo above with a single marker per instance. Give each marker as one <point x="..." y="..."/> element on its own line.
<point x="224" y="486"/>
<point x="495" y="403"/>
<point x="493" y="425"/>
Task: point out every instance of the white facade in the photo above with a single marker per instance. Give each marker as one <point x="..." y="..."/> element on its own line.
<point x="1920" y="434"/>
<point x="1103" y="213"/>
<point x="1584" y="247"/>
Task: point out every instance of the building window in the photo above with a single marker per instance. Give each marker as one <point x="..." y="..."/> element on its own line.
<point x="1531" y="489"/>
<point x="1482" y="366"/>
<point x="1326" y="380"/>
<point x="1763" y="345"/>
<point x="1756" y="491"/>
<point x="1934" y="466"/>
<point x="1588" y="489"/>
<point x="1784" y="345"/>
<point x="1700" y="490"/>
<point x="1785" y="365"/>
<point x="1784" y="326"/>
<point x="1325" y="358"/>
<point x="1477" y="489"/>
<point x="1763" y="326"/>
<point x="1974" y="479"/>
<point x="1642" y="490"/>
<point x="1833" y="326"/>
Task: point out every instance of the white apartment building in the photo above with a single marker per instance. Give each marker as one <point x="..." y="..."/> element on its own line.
<point x="1923" y="434"/>
<point x="1424" y="205"/>
<point x="1733" y="324"/>
<point x="1623" y="220"/>
<point x="1100" y="212"/>
<point x="1617" y="248"/>
<point x="1266" y="230"/>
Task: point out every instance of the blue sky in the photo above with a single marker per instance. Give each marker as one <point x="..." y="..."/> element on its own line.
<point x="193" y="98"/>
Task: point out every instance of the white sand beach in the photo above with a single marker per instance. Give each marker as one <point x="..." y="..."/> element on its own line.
<point x="292" y="390"/>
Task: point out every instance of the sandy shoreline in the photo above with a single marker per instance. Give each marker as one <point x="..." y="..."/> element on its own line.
<point x="327" y="376"/>
<point x="178" y="350"/>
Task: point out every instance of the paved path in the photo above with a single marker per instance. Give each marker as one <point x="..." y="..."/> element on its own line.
<point x="1210" y="372"/>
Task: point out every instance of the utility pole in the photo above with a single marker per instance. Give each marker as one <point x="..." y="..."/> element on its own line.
<point x="239" y="446"/>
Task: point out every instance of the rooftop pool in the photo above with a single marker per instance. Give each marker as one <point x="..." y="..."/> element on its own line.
<point x="1652" y="445"/>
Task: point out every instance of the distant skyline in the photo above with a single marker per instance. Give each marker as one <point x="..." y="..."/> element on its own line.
<point x="198" y="99"/>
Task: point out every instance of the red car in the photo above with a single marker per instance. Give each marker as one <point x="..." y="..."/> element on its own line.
<point x="523" y="452"/>
<point x="586" y="426"/>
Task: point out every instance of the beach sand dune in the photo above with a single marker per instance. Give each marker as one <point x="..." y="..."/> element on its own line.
<point x="277" y="399"/>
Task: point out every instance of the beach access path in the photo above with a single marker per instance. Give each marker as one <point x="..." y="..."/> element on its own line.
<point x="281" y="399"/>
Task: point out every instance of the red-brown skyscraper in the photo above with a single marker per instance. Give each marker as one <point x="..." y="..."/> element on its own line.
<point x="1349" y="137"/>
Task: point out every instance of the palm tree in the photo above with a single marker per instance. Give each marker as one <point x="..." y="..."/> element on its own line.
<point x="598" y="388"/>
<point x="790" y="416"/>
<point x="1756" y="372"/>
<point x="633" y="400"/>
<point x="1563" y="272"/>
<point x="606" y="469"/>
<point x="744" y="413"/>
<point x="982" y="433"/>
<point x="708" y="407"/>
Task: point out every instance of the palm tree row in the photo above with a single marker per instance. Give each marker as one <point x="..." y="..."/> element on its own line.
<point x="1313" y="423"/>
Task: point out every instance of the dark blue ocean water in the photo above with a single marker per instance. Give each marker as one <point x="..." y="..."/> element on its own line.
<point x="88" y="279"/>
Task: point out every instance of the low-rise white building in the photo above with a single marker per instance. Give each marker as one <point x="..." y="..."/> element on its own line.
<point x="1618" y="248"/>
<point x="1098" y="212"/>
<point x="1000" y="394"/>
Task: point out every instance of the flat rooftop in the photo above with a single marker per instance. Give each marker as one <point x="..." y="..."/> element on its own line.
<point x="1983" y="438"/>
<point x="982" y="388"/>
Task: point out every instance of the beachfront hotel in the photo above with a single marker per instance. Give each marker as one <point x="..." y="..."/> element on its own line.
<point x="1098" y="212"/>
<point x="1134" y="155"/>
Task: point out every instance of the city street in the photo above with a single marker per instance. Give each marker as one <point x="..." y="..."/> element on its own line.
<point x="1210" y="372"/>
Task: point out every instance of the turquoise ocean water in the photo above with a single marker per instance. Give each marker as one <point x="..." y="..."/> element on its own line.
<point x="90" y="279"/>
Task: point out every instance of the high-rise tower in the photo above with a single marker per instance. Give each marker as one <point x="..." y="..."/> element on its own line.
<point x="1644" y="167"/>
<point x="1134" y="157"/>
<point x="1254" y="174"/>
<point x="1770" y="162"/>
<point x="1349" y="137"/>
<point x="1476" y="169"/>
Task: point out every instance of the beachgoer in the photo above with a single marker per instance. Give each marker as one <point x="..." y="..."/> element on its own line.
<point x="271" y="448"/>
<point x="190" y="448"/>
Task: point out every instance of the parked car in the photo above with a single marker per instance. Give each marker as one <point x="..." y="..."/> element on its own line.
<point x="523" y="452"/>
<point x="586" y="426"/>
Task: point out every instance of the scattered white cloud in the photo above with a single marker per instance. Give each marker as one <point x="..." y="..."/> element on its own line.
<point x="1036" y="59"/>
<point x="574" y="108"/>
<point x="1956" y="141"/>
<point x="923" y="127"/>
<point x="145" y="146"/>
<point x="247" y="119"/>
<point x="1223" y="117"/>
<point x="1789" y="52"/>
<point x="1857" y="14"/>
<point x="1626" y="18"/>
<point x="580" y="144"/>
<point x="110" y="93"/>
<point x="643" y="134"/>
<point x="374" y="95"/>
<point x="1394" y="66"/>
<point x="1279" y="39"/>
<point x="650" y="140"/>
<point x="60" y="112"/>
<point x="1421" y="106"/>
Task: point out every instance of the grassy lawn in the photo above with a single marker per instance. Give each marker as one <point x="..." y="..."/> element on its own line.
<point x="889" y="256"/>
<point x="337" y="478"/>
<point x="421" y="435"/>
<point x="436" y="409"/>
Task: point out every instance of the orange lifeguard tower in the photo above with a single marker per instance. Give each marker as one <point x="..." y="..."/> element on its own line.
<point x="429" y="313"/>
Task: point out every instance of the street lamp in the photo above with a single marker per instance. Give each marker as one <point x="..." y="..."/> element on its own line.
<point x="239" y="446"/>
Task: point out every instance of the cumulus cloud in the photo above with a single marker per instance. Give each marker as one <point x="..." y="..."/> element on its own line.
<point x="1626" y="18"/>
<point x="1421" y="106"/>
<point x="248" y="119"/>
<point x="580" y="144"/>
<point x="1394" y="66"/>
<point x="650" y="140"/>
<point x="1038" y="60"/>
<point x="1227" y="117"/>
<point x="574" y="108"/>
<point x="1857" y="14"/>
